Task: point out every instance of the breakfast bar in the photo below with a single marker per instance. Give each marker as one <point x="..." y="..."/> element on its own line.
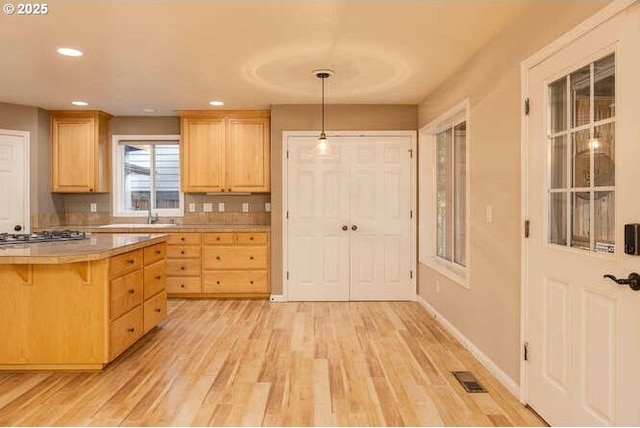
<point x="78" y="304"/>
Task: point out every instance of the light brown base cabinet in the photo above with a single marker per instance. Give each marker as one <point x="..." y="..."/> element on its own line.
<point x="218" y="265"/>
<point x="80" y="315"/>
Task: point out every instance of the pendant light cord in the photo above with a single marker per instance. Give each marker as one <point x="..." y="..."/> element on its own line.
<point x="323" y="78"/>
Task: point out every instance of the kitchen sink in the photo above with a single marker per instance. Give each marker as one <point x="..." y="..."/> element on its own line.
<point x="137" y="226"/>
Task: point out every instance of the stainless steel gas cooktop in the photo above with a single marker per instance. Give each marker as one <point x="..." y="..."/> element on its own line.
<point x="44" y="236"/>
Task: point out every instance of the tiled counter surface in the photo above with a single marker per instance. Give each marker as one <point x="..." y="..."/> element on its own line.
<point x="97" y="246"/>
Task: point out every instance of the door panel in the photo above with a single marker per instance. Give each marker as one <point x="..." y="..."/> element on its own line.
<point x="12" y="188"/>
<point x="365" y="189"/>
<point x="582" y="177"/>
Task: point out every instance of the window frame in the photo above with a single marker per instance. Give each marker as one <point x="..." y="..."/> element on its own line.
<point x="118" y="177"/>
<point x="428" y="194"/>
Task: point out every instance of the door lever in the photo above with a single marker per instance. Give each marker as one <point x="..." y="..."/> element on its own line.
<point x="633" y="281"/>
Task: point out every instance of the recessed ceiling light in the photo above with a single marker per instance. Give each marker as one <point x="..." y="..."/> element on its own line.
<point x="80" y="103"/>
<point x="69" y="52"/>
<point x="216" y="103"/>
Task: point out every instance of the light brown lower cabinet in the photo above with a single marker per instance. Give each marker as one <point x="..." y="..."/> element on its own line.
<point x="218" y="265"/>
<point x="81" y="315"/>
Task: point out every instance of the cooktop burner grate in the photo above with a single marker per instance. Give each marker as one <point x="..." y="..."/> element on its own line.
<point x="44" y="236"/>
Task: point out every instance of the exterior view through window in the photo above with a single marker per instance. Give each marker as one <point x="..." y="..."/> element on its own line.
<point x="451" y="162"/>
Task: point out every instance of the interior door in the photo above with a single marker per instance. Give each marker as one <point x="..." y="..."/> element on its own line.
<point x="349" y="220"/>
<point x="14" y="189"/>
<point x="583" y="330"/>
<point x="380" y="227"/>
<point x="318" y="216"/>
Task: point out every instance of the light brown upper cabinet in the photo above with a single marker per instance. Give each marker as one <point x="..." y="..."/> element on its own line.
<point x="80" y="151"/>
<point x="225" y="151"/>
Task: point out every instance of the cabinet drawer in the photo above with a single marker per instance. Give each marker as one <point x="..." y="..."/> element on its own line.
<point x="155" y="278"/>
<point x="183" y="251"/>
<point x="183" y="267"/>
<point x="235" y="282"/>
<point x="124" y="263"/>
<point x="155" y="310"/>
<point x="251" y="238"/>
<point x="234" y="257"/>
<point x="125" y="331"/>
<point x="125" y="293"/>
<point x="219" y="238"/>
<point x="184" y="239"/>
<point x="190" y="284"/>
<point x="154" y="253"/>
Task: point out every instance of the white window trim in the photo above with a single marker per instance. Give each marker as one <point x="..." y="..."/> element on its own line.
<point x="427" y="196"/>
<point x="118" y="177"/>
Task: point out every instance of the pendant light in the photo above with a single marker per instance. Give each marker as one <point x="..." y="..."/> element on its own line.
<point x="323" y="148"/>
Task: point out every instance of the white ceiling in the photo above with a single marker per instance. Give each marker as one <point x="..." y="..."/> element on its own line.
<point x="172" y="55"/>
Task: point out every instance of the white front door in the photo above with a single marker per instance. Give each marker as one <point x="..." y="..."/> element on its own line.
<point x="349" y="220"/>
<point x="583" y="330"/>
<point x="14" y="188"/>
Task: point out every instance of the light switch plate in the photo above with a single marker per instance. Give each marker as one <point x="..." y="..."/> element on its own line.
<point x="221" y="207"/>
<point x="267" y="207"/>
<point x="93" y="207"/>
<point x="207" y="207"/>
<point x="245" y="207"/>
<point x="192" y="207"/>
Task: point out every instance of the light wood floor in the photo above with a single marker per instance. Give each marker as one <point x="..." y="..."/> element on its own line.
<point x="259" y="363"/>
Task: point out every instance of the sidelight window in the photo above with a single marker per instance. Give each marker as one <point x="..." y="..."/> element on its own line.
<point x="581" y="141"/>
<point x="147" y="178"/>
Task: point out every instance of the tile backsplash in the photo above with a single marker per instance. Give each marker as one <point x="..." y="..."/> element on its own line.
<point x="206" y="210"/>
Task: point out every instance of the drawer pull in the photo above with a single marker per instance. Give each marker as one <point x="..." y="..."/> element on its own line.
<point x="132" y="291"/>
<point x="250" y="257"/>
<point x="182" y="238"/>
<point x="158" y="277"/>
<point x="182" y="252"/>
<point x="131" y="261"/>
<point x="217" y="257"/>
<point x="131" y="330"/>
<point x="181" y="285"/>
<point x="250" y="282"/>
<point x="251" y="238"/>
<point x="217" y="282"/>
<point x="181" y="267"/>
<point x="158" y="310"/>
<point x="217" y="238"/>
<point x="158" y="251"/>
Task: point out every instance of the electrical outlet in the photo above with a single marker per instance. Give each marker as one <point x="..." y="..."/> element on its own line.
<point x="207" y="207"/>
<point x="192" y="207"/>
<point x="221" y="207"/>
<point x="93" y="207"/>
<point x="267" y="207"/>
<point x="488" y="214"/>
<point x="245" y="207"/>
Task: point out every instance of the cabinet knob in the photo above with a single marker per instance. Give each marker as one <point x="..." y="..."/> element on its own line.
<point x="250" y="257"/>
<point x="182" y="252"/>
<point x="182" y="239"/>
<point x="251" y="238"/>
<point x="91" y="190"/>
<point x="181" y="285"/>
<point x="217" y="257"/>
<point x="131" y="261"/>
<point x="250" y="282"/>
<point x="131" y="330"/>
<point x="217" y="238"/>
<point x="229" y="190"/>
<point x="181" y="267"/>
<point x="158" y="251"/>
<point x="132" y="291"/>
<point x="158" y="310"/>
<point x="217" y="282"/>
<point x="158" y="277"/>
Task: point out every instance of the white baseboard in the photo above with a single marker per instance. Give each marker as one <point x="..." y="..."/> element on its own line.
<point x="277" y="298"/>
<point x="496" y="371"/>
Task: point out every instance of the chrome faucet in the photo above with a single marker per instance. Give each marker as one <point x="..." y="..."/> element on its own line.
<point x="152" y="219"/>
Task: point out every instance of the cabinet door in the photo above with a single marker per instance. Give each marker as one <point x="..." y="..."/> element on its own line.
<point x="248" y="155"/>
<point x="73" y="154"/>
<point x="203" y="155"/>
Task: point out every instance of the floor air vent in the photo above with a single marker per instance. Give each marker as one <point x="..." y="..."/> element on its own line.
<point x="469" y="382"/>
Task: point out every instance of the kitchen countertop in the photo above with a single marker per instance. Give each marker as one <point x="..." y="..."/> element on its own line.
<point x="95" y="247"/>
<point x="170" y="228"/>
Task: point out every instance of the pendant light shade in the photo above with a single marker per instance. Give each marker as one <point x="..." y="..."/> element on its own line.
<point x="323" y="149"/>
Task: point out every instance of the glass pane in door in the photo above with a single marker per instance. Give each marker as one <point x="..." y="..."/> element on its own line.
<point x="603" y="145"/>
<point x="604" y="88"/>
<point x="580" y="220"/>
<point x="581" y="159"/>
<point x="558" y="218"/>
<point x="559" y="162"/>
<point x="580" y="96"/>
<point x="558" y="105"/>
<point x="604" y="218"/>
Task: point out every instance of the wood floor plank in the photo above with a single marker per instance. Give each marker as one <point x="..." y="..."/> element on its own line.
<point x="257" y="363"/>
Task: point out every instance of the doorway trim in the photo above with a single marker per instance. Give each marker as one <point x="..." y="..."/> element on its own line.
<point x="286" y="135"/>
<point x="26" y="183"/>
<point x="567" y="38"/>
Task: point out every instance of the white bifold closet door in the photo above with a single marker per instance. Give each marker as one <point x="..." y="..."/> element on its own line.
<point x="349" y="220"/>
